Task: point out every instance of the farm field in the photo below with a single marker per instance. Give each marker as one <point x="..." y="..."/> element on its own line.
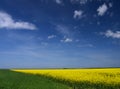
<point x="106" y="78"/>
<point x="14" y="80"/>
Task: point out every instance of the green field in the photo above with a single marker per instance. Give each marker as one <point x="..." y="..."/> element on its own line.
<point x="108" y="78"/>
<point x="14" y="80"/>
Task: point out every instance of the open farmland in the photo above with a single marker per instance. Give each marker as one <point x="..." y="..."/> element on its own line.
<point x="14" y="80"/>
<point x="81" y="78"/>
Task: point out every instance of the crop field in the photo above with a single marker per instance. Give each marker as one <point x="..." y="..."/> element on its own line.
<point x="108" y="78"/>
<point x="14" y="80"/>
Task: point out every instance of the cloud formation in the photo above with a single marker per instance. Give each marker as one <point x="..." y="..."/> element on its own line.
<point x="51" y="36"/>
<point x="63" y="29"/>
<point x="82" y="2"/>
<point x="77" y="14"/>
<point x="58" y="1"/>
<point x="7" y="22"/>
<point x="110" y="4"/>
<point x="102" y="9"/>
<point x="112" y="34"/>
<point x="66" y="40"/>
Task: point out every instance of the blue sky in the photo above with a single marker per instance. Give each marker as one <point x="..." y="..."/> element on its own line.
<point x="59" y="33"/>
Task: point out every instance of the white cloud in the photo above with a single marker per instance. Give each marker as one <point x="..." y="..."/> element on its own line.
<point x="112" y="34"/>
<point x="82" y="2"/>
<point x="78" y="14"/>
<point x="58" y="1"/>
<point x="110" y="4"/>
<point x="51" y="36"/>
<point x="102" y="9"/>
<point x="66" y="40"/>
<point x="64" y="30"/>
<point x="6" y="21"/>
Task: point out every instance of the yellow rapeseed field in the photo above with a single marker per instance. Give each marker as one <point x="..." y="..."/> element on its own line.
<point x="106" y="76"/>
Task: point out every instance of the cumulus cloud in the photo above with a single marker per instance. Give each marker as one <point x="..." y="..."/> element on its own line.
<point x="58" y="1"/>
<point x="78" y="14"/>
<point x="6" y="21"/>
<point x="102" y="9"/>
<point x="66" y="40"/>
<point x="51" y="36"/>
<point x="112" y="34"/>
